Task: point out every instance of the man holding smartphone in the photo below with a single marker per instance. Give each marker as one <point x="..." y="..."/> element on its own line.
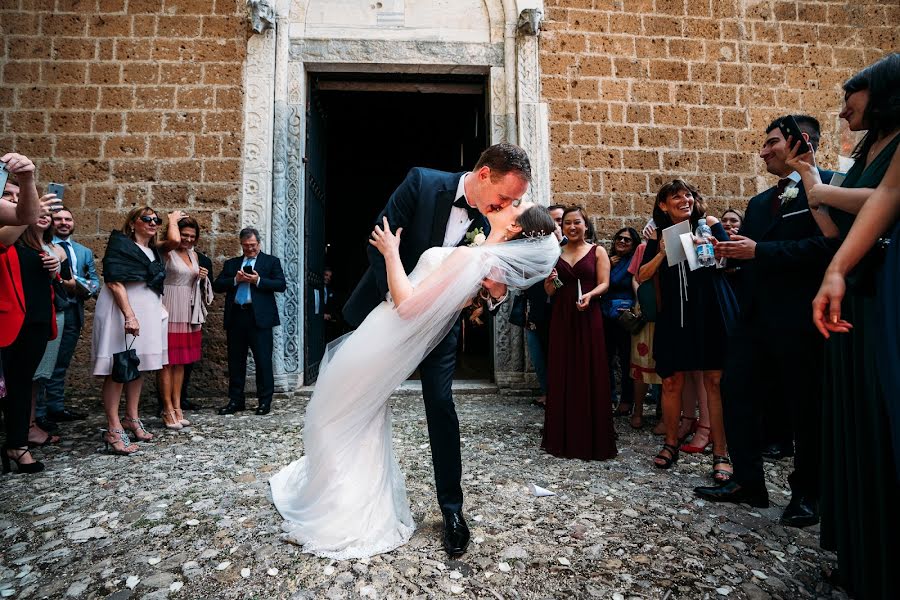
<point x="85" y="283"/>
<point x="250" y="283"/>
<point x="774" y="359"/>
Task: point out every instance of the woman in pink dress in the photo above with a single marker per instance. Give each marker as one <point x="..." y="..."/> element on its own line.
<point x="187" y="292"/>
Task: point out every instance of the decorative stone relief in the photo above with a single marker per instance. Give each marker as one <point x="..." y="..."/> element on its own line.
<point x="262" y="15"/>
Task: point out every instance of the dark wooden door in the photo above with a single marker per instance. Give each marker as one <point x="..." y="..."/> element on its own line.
<point x="314" y="236"/>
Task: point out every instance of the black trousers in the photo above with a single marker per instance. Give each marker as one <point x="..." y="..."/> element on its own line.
<point x="436" y="371"/>
<point x="244" y="336"/>
<point x="618" y="343"/>
<point x="773" y="372"/>
<point x="20" y="361"/>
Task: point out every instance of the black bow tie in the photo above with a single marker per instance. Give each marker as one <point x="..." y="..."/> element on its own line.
<point x="462" y="203"/>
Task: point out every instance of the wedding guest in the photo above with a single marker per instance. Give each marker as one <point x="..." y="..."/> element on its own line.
<point x="83" y="284"/>
<point x="619" y="297"/>
<point x="691" y="329"/>
<point x="578" y="419"/>
<point x="860" y="417"/>
<point x="186" y="404"/>
<point x="731" y="221"/>
<point x="186" y="294"/>
<point x="783" y="254"/>
<point x="28" y="322"/>
<point x="250" y="283"/>
<point x="643" y="367"/>
<point x="331" y="306"/>
<point x="537" y="317"/>
<point x="130" y="305"/>
<point x="37" y="435"/>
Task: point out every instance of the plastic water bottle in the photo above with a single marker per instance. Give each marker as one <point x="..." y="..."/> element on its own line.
<point x="705" y="255"/>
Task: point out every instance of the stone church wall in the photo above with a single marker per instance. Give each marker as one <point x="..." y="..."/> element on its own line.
<point x="641" y="91"/>
<point x="133" y="102"/>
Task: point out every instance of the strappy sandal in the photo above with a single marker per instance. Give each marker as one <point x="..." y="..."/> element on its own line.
<point x="691" y="449"/>
<point x="721" y="475"/>
<point x="171" y="421"/>
<point x="668" y="461"/>
<point x="136" y="427"/>
<point x="691" y="430"/>
<point x="120" y="445"/>
<point x="48" y="441"/>
<point x="179" y="417"/>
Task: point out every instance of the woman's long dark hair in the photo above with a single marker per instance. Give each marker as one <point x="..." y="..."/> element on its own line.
<point x="882" y="114"/>
<point x="635" y="240"/>
<point x="662" y="219"/>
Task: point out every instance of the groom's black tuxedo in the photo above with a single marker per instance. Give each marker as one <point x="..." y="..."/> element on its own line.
<point x="421" y="206"/>
<point x="773" y="373"/>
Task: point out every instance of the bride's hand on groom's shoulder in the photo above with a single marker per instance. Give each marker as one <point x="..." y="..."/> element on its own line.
<point x="384" y="240"/>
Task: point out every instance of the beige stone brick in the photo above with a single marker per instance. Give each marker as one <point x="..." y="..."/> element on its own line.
<point x="652" y="47"/>
<point x="586" y="89"/>
<point x="593" y="112"/>
<point x="145" y="6"/>
<point x="78" y="146"/>
<point x="650" y="91"/>
<point x="694" y="139"/>
<point x="657" y="137"/>
<point x="108" y="122"/>
<point x="661" y="26"/>
<point x="128" y="50"/>
<point x="178" y="26"/>
<point x="156" y="97"/>
<point x="687" y="93"/>
<point x="613" y="90"/>
<point x="669" y="70"/>
<point x="601" y="158"/>
<point x="169" y="146"/>
<point x="134" y="170"/>
<point x="640" y="159"/>
<point x="144" y="122"/>
<point x="555" y="87"/>
<point x="639" y="114"/>
<point x="70" y="122"/>
<point x="106" y="25"/>
<point x="140" y="73"/>
<point x="707" y="29"/>
<point x="38" y="146"/>
<point x="625" y="23"/>
<point x="594" y="66"/>
<point x="583" y="135"/>
<point x="617" y="136"/>
<point x="558" y="64"/>
<point x="616" y="113"/>
<point x="125" y="146"/>
<point x="111" y="97"/>
<point x="570" y="180"/>
<point x="670" y="115"/>
<point x="52" y="25"/>
<point x="194" y="97"/>
<point x="36" y="97"/>
<point x="222" y="74"/>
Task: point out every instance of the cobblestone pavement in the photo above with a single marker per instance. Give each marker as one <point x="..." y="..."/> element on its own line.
<point x="190" y="518"/>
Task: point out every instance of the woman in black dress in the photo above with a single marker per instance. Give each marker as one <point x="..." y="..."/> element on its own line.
<point x="696" y="312"/>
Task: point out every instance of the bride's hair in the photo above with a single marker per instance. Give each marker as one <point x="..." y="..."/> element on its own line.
<point x="536" y="222"/>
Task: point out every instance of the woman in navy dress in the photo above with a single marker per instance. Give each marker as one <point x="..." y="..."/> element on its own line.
<point x="696" y="312"/>
<point x="578" y="417"/>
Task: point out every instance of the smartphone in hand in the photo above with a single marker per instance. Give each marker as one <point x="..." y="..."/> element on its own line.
<point x="58" y="190"/>
<point x="789" y="128"/>
<point x="4" y="175"/>
<point x="248" y="269"/>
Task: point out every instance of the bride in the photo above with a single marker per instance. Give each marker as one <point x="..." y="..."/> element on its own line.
<point x="347" y="497"/>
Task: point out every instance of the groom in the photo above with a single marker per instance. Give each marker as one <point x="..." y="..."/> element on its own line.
<point x="435" y="208"/>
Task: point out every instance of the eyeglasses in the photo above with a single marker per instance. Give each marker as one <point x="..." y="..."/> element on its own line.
<point x="624" y="238"/>
<point x="149" y="219"/>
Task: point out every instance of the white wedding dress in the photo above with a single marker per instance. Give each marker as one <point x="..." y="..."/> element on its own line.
<point x="346" y="498"/>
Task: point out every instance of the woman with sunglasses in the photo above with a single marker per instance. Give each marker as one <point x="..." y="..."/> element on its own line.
<point x="130" y="314"/>
<point x="620" y="297"/>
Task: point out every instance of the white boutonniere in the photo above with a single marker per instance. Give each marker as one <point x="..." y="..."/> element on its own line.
<point x="789" y="194"/>
<point x="475" y="237"/>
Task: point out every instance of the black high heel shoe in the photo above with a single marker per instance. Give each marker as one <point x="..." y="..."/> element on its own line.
<point x="34" y="467"/>
<point x="667" y="461"/>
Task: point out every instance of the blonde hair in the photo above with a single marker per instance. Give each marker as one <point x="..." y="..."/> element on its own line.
<point x="133" y="215"/>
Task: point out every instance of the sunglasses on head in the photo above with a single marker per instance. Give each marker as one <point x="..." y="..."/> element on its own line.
<point x="624" y="238"/>
<point x="149" y="219"/>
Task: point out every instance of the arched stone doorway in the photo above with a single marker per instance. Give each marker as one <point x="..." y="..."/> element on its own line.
<point x="391" y="36"/>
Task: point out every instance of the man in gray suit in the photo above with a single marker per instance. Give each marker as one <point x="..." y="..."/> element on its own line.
<point x="84" y="283"/>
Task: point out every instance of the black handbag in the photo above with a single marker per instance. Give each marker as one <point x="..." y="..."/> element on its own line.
<point x="517" y="312"/>
<point x="125" y="364"/>
<point x="631" y="320"/>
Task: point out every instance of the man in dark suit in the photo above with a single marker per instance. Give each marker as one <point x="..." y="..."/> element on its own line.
<point x="50" y="408"/>
<point x="775" y="351"/>
<point x="435" y="208"/>
<point x="250" y="283"/>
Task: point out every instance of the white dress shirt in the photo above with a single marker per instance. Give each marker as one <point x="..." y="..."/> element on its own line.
<point x="459" y="221"/>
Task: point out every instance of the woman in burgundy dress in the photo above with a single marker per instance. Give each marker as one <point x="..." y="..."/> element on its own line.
<point x="578" y="418"/>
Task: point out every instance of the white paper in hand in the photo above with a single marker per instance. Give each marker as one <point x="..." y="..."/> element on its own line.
<point x="579" y="289"/>
<point x="674" y="250"/>
<point x="690" y="250"/>
<point x="539" y="491"/>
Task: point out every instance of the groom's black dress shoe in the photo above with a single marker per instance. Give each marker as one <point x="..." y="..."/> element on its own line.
<point x="801" y="511"/>
<point x="736" y="493"/>
<point x="231" y="408"/>
<point x="456" y="533"/>
<point x="263" y="409"/>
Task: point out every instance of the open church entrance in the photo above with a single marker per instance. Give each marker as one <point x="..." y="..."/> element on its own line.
<point x="364" y="132"/>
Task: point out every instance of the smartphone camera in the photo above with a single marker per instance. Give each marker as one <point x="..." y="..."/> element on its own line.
<point x="248" y="269"/>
